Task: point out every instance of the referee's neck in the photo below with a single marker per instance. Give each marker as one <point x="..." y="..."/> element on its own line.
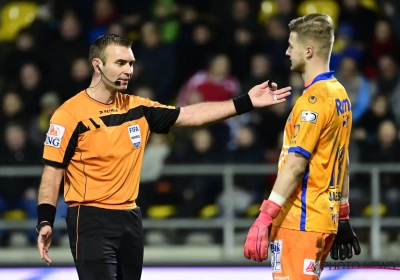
<point x="102" y="94"/>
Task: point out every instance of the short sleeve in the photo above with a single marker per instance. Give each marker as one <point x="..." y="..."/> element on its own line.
<point x="61" y="140"/>
<point x="309" y="121"/>
<point x="159" y="117"/>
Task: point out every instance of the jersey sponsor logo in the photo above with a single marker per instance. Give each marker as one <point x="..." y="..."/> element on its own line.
<point x="281" y="277"/>
<point x="108" y="111"/>
<point x="311" y="267"/>
<point x="134" y="134"/>
<point x="312" y="99"/>
<point x="276" y="255"/>
<point x="342" y="106"/>
<point x="309" y="116"/>
<point x="54" y="135"/>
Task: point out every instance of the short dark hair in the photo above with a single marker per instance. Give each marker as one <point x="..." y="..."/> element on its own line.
<point x="98" y="47"/>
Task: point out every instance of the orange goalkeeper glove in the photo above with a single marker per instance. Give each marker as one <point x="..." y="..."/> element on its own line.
<point x="257" y="241"/>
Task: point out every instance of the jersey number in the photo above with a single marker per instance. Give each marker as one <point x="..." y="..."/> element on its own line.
<point x="339" y="160"/>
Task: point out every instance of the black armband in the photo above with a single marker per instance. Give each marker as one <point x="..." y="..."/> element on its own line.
<point x="46" y="212"/>
<point x="243" y="104"/>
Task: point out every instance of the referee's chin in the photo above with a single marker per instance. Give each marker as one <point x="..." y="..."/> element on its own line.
<point x="122" y="87"/>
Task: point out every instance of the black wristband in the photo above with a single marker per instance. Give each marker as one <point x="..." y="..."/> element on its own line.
<point x="46" y="212"/>
<point x="243" y="104"/>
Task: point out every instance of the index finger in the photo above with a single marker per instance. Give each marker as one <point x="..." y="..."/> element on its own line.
<point x="46" y="258"/>
<point x="282" y="91"/>
<point x="41" y="249"/>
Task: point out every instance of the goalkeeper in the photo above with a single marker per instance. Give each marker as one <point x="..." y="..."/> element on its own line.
<point x="307" y="213"/>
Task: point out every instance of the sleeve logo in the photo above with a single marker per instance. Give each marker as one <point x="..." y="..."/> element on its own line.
<point x="309" y="116"/>
<point x="54" y="135"/>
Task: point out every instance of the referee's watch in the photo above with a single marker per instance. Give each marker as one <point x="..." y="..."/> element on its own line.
<point x="42" y="224"/>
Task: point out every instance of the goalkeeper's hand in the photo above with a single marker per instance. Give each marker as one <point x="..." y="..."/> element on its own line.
<point x="345" y="241"/>
<point x="257" y="241"/>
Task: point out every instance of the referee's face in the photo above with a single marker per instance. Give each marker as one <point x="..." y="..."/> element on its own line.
<point x="119" y="66"/>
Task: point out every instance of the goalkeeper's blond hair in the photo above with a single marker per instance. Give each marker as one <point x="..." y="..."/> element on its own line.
<point x="317" y="29"/>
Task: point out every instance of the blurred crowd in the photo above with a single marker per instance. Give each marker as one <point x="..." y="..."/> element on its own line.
<point x="188" y="51"/>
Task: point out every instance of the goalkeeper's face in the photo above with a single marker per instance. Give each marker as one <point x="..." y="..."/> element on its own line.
<point x="296" y="53"/>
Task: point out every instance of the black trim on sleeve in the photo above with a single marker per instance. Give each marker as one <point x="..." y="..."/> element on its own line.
<point x="53" y="163"/>
<point x="118" y="119"/>
<point x="160" y="119"/>
<point x="73" y="142"/>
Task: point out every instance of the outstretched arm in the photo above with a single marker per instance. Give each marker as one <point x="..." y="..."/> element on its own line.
<point x="210" y="112"/>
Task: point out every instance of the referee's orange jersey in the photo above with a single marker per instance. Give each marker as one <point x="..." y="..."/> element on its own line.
<point x="101" y="147"/>
<point x="319" y="128"/>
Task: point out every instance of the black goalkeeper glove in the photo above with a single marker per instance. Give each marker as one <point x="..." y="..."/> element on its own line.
<point x="346" y="240"/>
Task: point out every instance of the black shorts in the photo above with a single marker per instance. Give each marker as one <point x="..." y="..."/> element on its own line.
<point x="106" y="244"/>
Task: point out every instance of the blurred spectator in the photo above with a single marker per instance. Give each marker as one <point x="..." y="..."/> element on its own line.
<point x="39" y="125"/>
<point x="198" y="190"/>
<point x="260" y="71"/>
<point x="388" y="82"/>
<point x="165" y="16"/>
<point x="357" y="86"/>
<point x="157" y="151"/>
<point x="25" y="49"/>
<point x="248" y="151"/>
<point x="344" y="47"/>
<point x="31" y="85"/>
<point x="391" y="10"/>
<point x="156" y="62"/>
<point x="275" y="44"/>
<point x="12" y="110"/>
<point x="195" y="51"/>
<point x="272" y="120"/>
<point x="366" y="129"/>
<point x="70" y="43"/>
<point x="76" y="80"/>
<point x="145" y="92"/>
<point x="361" y="19"/>
<point x="297" y="84"/>
<point x="242" y="48"/>
<point x="286" y="10"/>
<point x="382" y="43"/>
<point x="16" y="151"/>
<point x="117" y="29"/>
<point x="104" y="14"/>
<point x="386" y="150"/>
<point x="214" y="84"/>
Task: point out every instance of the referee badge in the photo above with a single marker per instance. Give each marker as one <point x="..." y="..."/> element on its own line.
<point x="134" y="134"/>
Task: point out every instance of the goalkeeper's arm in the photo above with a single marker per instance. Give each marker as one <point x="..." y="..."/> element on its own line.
<point x="344" y="200"/>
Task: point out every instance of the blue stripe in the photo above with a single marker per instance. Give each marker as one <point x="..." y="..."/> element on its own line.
<point x="304" y="199"/>
<point x="300" y="150"/>
<point x="322" y="77"/>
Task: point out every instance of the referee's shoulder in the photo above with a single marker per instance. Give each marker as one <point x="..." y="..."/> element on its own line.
<point x="72" y="106"/>
<point x="134" y="100"/>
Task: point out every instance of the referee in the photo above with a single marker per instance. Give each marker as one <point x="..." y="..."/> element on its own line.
<point x="96" y="140"/>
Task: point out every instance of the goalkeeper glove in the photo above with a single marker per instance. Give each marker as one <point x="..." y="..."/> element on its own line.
<point x="257" y="241"/>
<point x="345" y="241"/>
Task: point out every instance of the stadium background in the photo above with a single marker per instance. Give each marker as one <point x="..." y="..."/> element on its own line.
<point x="197" y="202"/>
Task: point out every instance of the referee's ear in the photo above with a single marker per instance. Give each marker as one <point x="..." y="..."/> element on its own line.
<point x="96" y="66"/>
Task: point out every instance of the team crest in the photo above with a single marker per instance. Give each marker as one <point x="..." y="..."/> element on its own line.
<point x="312" y="99"/>
<point x="134" y="134"/>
